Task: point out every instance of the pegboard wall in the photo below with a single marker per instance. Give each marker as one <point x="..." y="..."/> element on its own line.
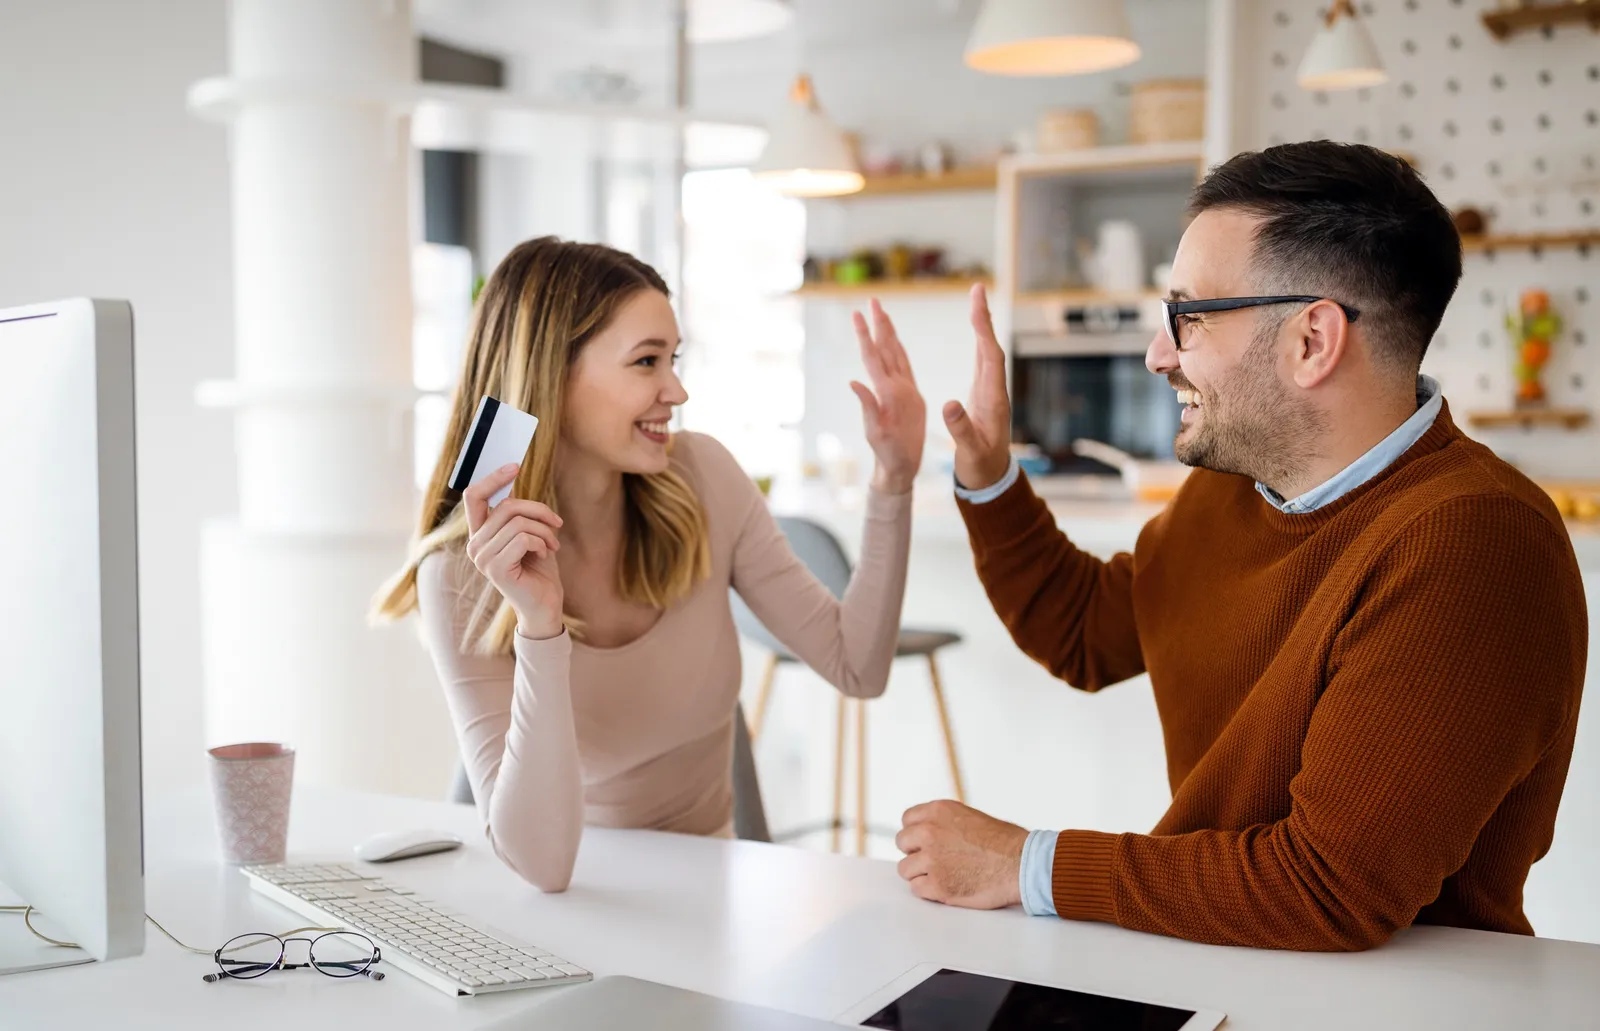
<point x="1510" y="128"/>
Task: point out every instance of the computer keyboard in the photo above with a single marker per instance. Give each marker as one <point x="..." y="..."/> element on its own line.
<point x="422" y="938"/>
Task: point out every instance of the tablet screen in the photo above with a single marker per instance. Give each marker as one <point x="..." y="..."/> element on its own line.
<point x="954" y="1000"/>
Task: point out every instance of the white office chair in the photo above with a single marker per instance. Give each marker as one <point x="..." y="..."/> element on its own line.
<point x="822" y="553"/>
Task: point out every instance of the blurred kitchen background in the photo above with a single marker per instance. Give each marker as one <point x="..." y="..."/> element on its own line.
<point x="299" y="197"/>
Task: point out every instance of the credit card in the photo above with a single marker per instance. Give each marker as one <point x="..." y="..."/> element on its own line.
<point x="499" y="436"/>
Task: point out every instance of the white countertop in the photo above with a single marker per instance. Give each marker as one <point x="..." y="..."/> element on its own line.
<point x="1100" y="524"/>
<point x="803" y="931"/>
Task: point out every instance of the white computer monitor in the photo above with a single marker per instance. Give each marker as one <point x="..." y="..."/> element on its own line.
<point x="71" y="831"/>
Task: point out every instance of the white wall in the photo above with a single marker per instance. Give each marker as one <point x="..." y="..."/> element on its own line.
<point x="1513" y="128"/>
<point x="893" y="73"/>
<point x="899" y="81"/>
<point x="109" y="188"/>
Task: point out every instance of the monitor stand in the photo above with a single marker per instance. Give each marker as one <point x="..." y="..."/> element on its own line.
<point x="20" y="951"/>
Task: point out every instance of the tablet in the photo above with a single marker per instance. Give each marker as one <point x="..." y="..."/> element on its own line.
<point x="934" y="998"/>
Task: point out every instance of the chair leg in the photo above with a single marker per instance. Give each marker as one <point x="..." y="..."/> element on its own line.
<point x="944" y="722"/>
<point x="763" y="697"/>
<point x="838" y="775"/>
<point x="861" y="776"/>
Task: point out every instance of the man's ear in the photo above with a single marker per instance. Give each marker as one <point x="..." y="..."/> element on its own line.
<point x="1323" y="340"/>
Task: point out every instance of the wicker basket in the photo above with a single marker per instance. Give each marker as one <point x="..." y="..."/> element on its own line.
<point x="1068" y="129"/>
<point x="1164" y="110"/>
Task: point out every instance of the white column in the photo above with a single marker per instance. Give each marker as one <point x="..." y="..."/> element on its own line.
<point x="316" y="104"/>
<point x="1223" y="71"/>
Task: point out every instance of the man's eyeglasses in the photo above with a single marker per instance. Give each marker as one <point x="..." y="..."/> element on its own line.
<point x="337" y="954"/>
<point x="1172" y="311"/>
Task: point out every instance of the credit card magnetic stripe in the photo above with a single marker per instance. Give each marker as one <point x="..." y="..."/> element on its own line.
<point x="461" y="479"/>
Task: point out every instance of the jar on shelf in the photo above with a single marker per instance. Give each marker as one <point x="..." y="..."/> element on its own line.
<point x="1167" y="110"/>
<point x="1067" y="129"/>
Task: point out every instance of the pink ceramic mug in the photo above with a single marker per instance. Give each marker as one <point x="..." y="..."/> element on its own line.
<point x="251" y="784"/>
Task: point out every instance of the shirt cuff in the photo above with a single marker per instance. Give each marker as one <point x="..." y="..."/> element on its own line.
<point x="1037" y="873"/>
<point x="994" y="490"/>
<point x="882" y="505"/>
<point x="545" y="661"/>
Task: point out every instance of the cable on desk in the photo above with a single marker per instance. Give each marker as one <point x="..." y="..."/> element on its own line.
<point x="27" y="919"/>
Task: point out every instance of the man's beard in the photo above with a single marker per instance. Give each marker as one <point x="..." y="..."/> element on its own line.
<point x="1252" y="425"/>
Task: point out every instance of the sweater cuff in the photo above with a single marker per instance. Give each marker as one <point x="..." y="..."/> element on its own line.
<point x="888" y="507"/>
<point x="1081" y="880"/>
<point x="546" y="661"/>
<point x="1005" y="518"/>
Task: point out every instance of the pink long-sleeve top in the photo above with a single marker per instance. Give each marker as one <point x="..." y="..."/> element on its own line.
<point x="559" y="734"/>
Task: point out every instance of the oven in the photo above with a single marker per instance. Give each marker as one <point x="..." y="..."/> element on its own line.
<point x="1077" y="371"/>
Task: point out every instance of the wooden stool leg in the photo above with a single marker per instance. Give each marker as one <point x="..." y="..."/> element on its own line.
<point x="861" y="776"/>
<point x="838" y="776"/>
<point x="763" y="697"/>
<point x="944" y="722"/>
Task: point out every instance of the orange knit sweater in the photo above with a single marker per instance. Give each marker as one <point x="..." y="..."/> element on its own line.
<point x="1368" y="709"/>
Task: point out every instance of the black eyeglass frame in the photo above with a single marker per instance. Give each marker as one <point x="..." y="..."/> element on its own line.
<point x="244" y="970"/>
<point x="1171" y="310"/>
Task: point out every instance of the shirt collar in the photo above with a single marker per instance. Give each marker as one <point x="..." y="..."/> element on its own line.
<point x="1430" y="399"/>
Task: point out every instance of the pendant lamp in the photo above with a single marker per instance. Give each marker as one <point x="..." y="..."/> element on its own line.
<point x="806" y="154"/>
<point x="1050" y="37"/>
<point x="1342" y="55"/>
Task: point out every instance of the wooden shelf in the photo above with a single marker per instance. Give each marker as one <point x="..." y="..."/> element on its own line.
<point x="1187" y="154"/>
<point x="957" y="180"/>
<point x="1570" y="486"/>
<point x="1084" y="296"/>
<point x="1504" y="24"/>
<point x="929" y="286"/>
<point x="1528" y="418"/>
<point x="1490" y="242"/>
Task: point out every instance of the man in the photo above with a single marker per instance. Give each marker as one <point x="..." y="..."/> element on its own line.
<point x="1365" y="632"/>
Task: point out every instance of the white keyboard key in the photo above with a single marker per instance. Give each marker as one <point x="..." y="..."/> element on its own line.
<point x="417" y="935"/>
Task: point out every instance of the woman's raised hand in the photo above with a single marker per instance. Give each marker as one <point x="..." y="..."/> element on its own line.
<point x="895" y="416"/>
<point x="513" y="545"/>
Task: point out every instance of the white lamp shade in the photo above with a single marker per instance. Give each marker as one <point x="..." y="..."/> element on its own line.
<point x="719" y="21"/>
<point x="1342" y="55"/>
<point x="806" y="154"/>
<point x="1050" y="37"/>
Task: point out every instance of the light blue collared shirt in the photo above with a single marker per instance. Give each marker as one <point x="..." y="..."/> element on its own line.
<point x="994" y="490"/>
<point x="1429" y="400"/>
<point x="1039" y="851"/>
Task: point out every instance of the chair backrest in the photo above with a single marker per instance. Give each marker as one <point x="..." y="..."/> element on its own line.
<point x="815" y="546"/>
<point x="749" y="813"/>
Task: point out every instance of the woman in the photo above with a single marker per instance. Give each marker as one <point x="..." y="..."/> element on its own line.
<point x="581" y="628"/>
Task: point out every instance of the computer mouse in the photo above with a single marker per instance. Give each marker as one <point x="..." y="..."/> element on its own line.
<point x="385" y="848"/>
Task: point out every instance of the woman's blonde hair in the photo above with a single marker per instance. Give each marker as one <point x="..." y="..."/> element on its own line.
<point x="539" y="307"/>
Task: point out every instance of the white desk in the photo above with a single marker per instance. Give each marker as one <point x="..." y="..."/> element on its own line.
<point x="802" y="931"/>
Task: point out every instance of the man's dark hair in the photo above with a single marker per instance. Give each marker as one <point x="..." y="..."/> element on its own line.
<point x="1351" y="223"/>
